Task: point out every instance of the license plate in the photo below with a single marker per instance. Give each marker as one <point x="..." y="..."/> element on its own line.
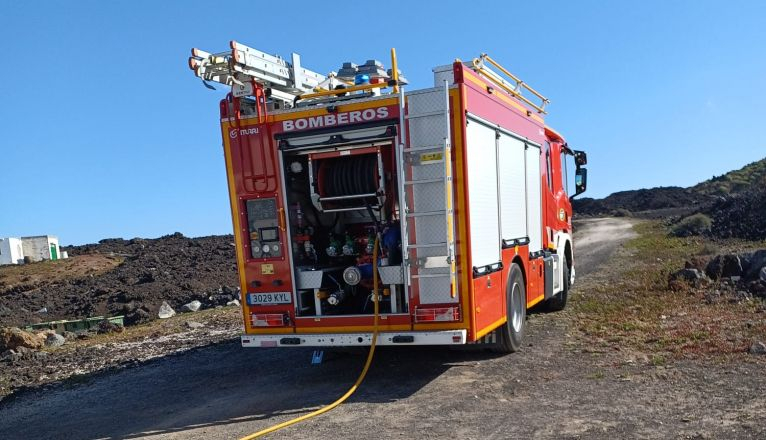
<point x="256" y="299"/>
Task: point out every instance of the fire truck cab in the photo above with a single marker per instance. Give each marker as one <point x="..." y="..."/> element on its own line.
<point x="462" y="183"/>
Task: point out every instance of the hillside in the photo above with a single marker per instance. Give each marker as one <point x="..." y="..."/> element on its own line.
<point x="121" y="277"/>
<point x="752" y="175"/>
<point x="681" y="201"/>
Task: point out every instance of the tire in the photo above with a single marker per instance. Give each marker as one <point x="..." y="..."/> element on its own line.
<point x="511" y="334"/>
<point x="559" y="301"/>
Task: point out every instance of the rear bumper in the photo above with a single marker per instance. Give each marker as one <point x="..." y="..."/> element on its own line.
<point x="446" y="337"/>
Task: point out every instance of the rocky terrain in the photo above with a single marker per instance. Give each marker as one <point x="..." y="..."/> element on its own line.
<point x="727" y="277"/>
<point x="629" y="357"/>
<point x="733" y="205"/>
<point x="130" y="278"/>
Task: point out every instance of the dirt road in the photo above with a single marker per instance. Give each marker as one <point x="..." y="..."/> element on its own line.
<point x="558" y="386"/>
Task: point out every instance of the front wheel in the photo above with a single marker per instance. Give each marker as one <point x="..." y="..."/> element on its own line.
<point x="510" y="334"/>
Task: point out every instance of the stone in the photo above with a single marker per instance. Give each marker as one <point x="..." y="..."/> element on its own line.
<point x="219" y="300"/>
<point x="193" y="325"/>
<point x="137" y="316"/>
<point x="166" y="311"/>
<point x="191" y="307"/>
<point x="234" y="302"/>
<point x="757" y="263"/>
<point x="723" y="266"/>
<point x="688" y="274"/>
<point x="758" y="348"/>
<point x="740" y="296"/>
<point x="42" y="311"/>
<point x="762" y="274"/>
<point x="55" y="340"/>
<point x="105" y="327"/>
<point x="21" y="353"/>
<point x="12" y="338"/>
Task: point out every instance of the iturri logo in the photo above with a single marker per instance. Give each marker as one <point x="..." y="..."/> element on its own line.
<point x="234" y="132"/>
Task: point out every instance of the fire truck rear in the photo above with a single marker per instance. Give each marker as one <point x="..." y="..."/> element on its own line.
<point x="463" y="184"/>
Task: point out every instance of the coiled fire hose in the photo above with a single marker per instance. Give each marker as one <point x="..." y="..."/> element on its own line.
<point x="359" y="380"/>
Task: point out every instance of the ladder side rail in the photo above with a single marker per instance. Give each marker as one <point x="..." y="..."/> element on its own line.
<point x="400" y="172"/>
<point x="448" y="193"/>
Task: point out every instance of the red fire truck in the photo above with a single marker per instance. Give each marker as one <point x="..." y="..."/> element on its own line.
<point x="463" y="184"/>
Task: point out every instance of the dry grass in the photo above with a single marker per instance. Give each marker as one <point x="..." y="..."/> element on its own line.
<point x="629" y="305"/>
<point x="53" y="271"/>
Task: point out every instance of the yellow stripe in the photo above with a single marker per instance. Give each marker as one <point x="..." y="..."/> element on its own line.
<point x="458" y="147"/>
<point x="535" y="301"/>
<point x="491" y="327"/>
<point x="503" y="97"/>
<point x="237" y="232"/>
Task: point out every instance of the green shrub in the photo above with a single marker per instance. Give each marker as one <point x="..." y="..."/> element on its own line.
<point x="697" y="224"/>
<point x="622" y="212"/>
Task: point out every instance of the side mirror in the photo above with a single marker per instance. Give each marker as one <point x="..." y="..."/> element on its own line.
<point x="580" y="158"/>
<point x="581" y="180"/>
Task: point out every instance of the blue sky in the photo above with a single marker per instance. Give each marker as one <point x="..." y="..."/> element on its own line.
<point x="106" y="133"/>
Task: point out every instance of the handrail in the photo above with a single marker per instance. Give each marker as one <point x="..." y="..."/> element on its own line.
<point x="341" y="91"/>
<point x="394" y="71"/>
<point x="478" y="65"/>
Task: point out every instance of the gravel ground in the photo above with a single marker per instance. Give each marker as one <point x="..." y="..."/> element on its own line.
<point x="558" y="386"/>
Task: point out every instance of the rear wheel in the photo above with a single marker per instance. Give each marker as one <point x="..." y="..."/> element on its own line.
<point x="510" y="334"/>
<point x="559" y="300"/>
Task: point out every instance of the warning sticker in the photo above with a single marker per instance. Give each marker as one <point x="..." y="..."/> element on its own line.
<point x="430" y="157"/>
<point x="267" y="269"/>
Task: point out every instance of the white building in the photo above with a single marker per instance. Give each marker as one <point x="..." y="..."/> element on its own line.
<point x="41" y="247"/>
<point x="11" y="251"/>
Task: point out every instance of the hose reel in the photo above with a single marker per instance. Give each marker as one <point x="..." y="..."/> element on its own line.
<point x="348" y="182"/>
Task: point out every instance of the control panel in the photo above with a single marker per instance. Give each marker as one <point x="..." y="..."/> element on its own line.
<point x="263" y="228"/>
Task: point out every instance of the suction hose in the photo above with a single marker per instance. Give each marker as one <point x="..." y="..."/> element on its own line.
<point x="364" y="370"/>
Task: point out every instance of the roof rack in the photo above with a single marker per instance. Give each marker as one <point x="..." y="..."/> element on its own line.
<point x="479" y="64"/>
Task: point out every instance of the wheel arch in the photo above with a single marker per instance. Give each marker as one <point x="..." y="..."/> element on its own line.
<point x="519" y="262"/>
<point x="568" y="256"/>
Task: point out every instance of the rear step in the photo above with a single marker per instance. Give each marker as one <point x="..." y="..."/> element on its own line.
<point x="444" y="337"/>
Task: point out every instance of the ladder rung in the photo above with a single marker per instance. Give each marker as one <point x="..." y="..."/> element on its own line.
<point x="432" y="275"/>
<point x="429" y="147"/>
<point x="426" y="213"/>
<point x="415" y="182"/>
<point x="425" y="114"/>
<point x="428" y="245"/>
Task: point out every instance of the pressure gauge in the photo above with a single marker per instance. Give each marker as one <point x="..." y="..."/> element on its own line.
<point x="275" y="249"/>
<point x="266" y="249"/>
<point x="296" y="167"/>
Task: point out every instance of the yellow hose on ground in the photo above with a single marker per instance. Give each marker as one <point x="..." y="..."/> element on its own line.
<point x="359" y="380"/>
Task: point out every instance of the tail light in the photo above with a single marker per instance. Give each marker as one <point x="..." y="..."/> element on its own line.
<point x="268" y="319"/>
<point x="437" y="314"/>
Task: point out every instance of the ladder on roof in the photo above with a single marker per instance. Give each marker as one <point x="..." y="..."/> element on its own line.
<point x="427" y="199"/>
<point x="243" y="65"/>
<point x="516" y="89"/>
